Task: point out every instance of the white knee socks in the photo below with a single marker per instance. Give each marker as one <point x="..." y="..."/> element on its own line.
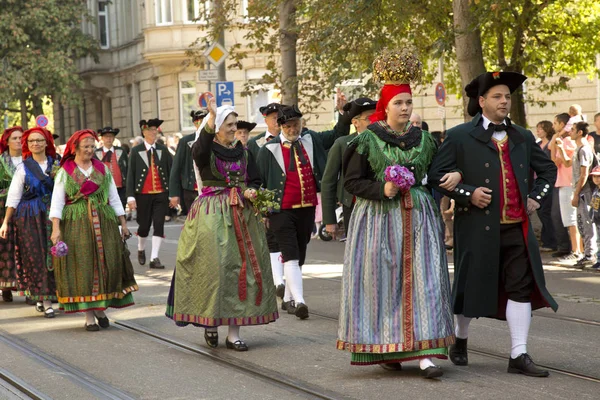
<point x="277" y="268"/>
<point x="234" y="333"/>
<point x="89" y="318"/>
<point x="462" y="326"/>
<point x="518" y="316"/>
<point x="141" y="243"/>
<point x="156" y="242"/>
<point x="425" y="363"/>
<point x="293" y="279"/>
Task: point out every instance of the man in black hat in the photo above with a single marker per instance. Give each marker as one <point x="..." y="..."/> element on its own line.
<point x="269" y="113"/>
<point x="292" y="165"/>
<point x="332" y="185"/>
<point x="183" y="179"/>
<point x="115" y="158"/>
<point x="498" y="268"/>
<point x="148" y="189"/>
<point x="243" y="131"/>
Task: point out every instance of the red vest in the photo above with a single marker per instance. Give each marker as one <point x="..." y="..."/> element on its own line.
<point x="113" y="166"/>
<point x="511" y="206"/>
<point x="300" y="189"/>
<point x="153" y="184"/>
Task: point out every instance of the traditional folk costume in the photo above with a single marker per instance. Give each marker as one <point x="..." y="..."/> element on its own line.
<point x="182" y="182"/>
<point x="8" y="165"/>
<point x="294" y="171"/>
<point x="29" y="194"/>
<point x="95" y="274"/>
<point x="222" y="275"/>
<point x="148" y="186"/>
<point x="116" y="160"/>
<point x="498" y="268"/>
<point x="395" y="299"/>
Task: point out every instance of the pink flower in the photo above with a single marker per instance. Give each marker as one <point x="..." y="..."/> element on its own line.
<point x="60" y="249"/>
<point x="400" y="176"/>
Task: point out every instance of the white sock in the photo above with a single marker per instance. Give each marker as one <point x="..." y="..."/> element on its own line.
<point x="425" y="363"/>
<point x="293" y="279"/>
<point x="287" y="296"/>
<point x="234" y="333"/>
<point x="462" y="326"/>
<point x="141" y="243"/>
<point x="47" y="304"/>
<point x="89" y="318"/>
<point x="518" y="316"/>
<point x="156" y="242"/>
<point x="277" y="268"/>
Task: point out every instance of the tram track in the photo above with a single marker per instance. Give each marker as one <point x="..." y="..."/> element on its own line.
<point x="19" y="388"/>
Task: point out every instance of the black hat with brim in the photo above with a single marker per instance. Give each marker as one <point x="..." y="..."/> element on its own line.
<point x="358" y="106"/>
<point x="269" y="109"/>
<point x="108" y="129"/>
<point x="55" y="136"/>
<point x="155" y="122"/>
<point x="288" y="113"/>
<point x="198" y="114"/>
<point x="246" y="125"/>
<point x="484" y="82"/>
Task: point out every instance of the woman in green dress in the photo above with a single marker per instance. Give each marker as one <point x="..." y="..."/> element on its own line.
<point x="223" y="271"/>
<point x="85" y="212"/>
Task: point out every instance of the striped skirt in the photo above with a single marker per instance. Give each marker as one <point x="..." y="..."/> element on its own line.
<point x="395" y="300"/>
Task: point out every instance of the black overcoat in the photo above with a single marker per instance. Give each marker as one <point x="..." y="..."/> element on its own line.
<point x="468" y="148"/>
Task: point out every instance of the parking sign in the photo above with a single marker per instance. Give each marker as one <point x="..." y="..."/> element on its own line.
<point x="224" y="93"/>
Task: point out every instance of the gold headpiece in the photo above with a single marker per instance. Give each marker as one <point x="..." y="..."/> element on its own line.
<point x="398" y="66"/>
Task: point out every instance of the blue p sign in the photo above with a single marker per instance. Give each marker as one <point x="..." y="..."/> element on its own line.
<point x="224" y="93"/>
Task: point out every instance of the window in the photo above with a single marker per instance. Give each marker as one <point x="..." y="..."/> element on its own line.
<point x="187" y="103"/>
<point x="261" y="95"/>
<point x="103" y="24"/>
<point x="197" y="9"/>
<point x="164" y="15"/>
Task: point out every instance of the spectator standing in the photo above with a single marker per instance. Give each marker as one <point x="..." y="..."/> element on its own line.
<point x="595" y="212"/>
<point x="544" y="133"/>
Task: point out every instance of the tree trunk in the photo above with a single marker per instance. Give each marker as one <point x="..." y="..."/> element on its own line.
<point x="287" y="43"/>
<point x="469" y="53"/>
<point x="24" y="116"/>
<point x="38" y="108"/>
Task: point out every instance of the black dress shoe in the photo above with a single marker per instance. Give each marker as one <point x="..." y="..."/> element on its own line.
<point x="142" y="257"/>
<point x="395" y="366"/>
<point x="432" y="372"/>
<point x="49" y="312"/>
<point x="301" y="311"/>
<point x="458" y="352"/>
<point x="212" y="338"/>
<point x="103" y="321"/>
<point x="156" y="264"/>
<point x="7" y="296"/>
<point x="39" y="306"/>
<point x="525" y="365"/>
<point x="289" y="306"/>
<point x="280" y="291"/>
<point x="92" y="328"/>
<point x="238" y="345"/>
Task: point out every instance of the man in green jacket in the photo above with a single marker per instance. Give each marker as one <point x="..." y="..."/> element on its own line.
<point x="269" y="113"/>
<point x="332" y="185"/>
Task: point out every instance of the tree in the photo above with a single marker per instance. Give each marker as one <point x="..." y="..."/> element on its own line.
<point x="41" y="43"/>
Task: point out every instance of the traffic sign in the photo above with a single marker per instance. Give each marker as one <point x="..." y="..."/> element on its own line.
<point x="440" y="94"/>
<point x="224" y="93"/>
<point x="216" y="54"/>
<point x="41" y="121"/>
<point x="204" y="98"/>
<point x="208" y="75"/>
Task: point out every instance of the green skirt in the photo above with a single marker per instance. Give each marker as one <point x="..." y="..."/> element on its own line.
<point x="223" y="270"/>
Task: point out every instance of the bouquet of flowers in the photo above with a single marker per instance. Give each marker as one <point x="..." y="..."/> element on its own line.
<point x="264" y="202"/>
<point x="400" y="176"/>
<point x="60" y="249"/>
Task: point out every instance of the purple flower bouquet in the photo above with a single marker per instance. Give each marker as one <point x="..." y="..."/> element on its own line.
<point x="400" y="176"/>
<point x="60" y="249"/>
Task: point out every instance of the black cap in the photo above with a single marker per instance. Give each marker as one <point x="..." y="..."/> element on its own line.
<point x="288" y="113"/>
<point x="484" y="82"/>
<point x="269" y="109"/>
<point x="358" y="106"/>
<point x="155" y="122"/>
<point x="198" y="114"/>
<point x="246" y="125"/>
<point x="108" y="129"/>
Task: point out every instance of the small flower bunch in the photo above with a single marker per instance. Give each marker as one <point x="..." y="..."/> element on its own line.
<point x="400" y="176"/>
<point x="55" y="168"/>
<point x="60" y="249"/>
<point x="264" y="202"/>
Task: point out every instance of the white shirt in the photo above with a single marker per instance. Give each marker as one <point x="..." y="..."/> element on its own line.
<point x="16" y="160"/>
<point x="150" y="146"/>
<point x="59" y="194"/>
<point x="105" y="150"/>
<point x="15" y="191"/>
<point x="498" y="135"/>
<point x="269" y="134"/>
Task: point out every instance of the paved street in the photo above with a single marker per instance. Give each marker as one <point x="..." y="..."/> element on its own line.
<point x="144" y="355"/>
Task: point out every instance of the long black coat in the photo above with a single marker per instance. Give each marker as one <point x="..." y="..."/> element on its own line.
<point x="469" y="148"/>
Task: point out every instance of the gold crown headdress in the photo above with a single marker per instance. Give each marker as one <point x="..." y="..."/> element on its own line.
<point x="398" y="66"/>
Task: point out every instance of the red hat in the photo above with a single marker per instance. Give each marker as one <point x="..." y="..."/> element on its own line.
<point x="595" y="171"/>
<point x="50" y="149"/>
<point x="6" y="136"/>
<point x="73" y="141"/>
<point x="388" y="92"/>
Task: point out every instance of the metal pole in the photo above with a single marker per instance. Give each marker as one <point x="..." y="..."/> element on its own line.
<point x="221" y="40"/>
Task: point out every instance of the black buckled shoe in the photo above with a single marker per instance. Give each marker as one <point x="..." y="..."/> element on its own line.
<point x="49" y="313"/>
<point x="142" y="257"/>
<point x="92" y="328"/>
<point x="104" y="322"/>
<point x="289" y="306"/>
<point x="238" y="345"/>
<point x="525" y="365"/>
<point x="432" y="372"/>
<point x="156" y="264"/>
<point x="212" y="338"/>
<point x="39" y="306"/>
<point x="458" y="352"/>
<point x="280" y="291"/>
<point x="7" y="296"/>
<point x="394" y="366"/>
<point x="301" y="311"/>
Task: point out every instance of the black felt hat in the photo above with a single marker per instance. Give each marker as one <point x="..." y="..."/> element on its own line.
<point x="484" y="82"/>
<point x="356" y="107"/>
<point x="198" y="114"/>
<point x="108" y="129"/>
<point x="55" y="136"/>
<point x="246" y="125"/>
<point x="269" y="109"/>
<point x="288" y="113"/>
<point x="154" y="122"/>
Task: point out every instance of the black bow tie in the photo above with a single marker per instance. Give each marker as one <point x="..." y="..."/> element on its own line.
<point x="295" y="147"/>
<point x="497" y="128"/>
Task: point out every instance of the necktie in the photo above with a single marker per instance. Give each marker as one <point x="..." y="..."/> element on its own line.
<point x="107" y="156"/>
<point x="296" y="148"/>
<point x="497" y="128"/>
<point x="269" y="138"/>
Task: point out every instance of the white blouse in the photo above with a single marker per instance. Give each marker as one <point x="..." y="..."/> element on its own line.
<point x="59" y="194"/>
<point x="17" y="185"/>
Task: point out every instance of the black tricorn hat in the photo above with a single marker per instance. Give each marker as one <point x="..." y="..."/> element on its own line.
<point x="154" y="122"/>
<point x="241" y="124"/>
<point x="288" y="113"/>
<point x="484" y="82"/>
<point x="55" y="136"/>
<point x="356" y="107"/>
<point x="269" y="108"/>
<point x="108" y="129"/>
<point x="198" y="114"/>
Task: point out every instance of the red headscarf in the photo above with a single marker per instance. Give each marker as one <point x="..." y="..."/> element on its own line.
<point x="50" y="149"/>
<point x="388" y="92"/>
<point x="73" y="141"/>
<point x="6" y="136"/>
